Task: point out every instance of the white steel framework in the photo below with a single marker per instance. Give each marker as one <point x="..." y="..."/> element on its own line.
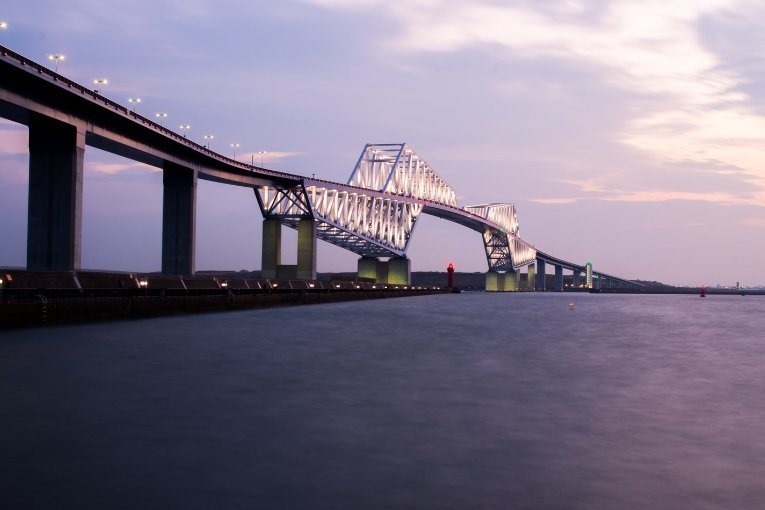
<point x="375" y="214"/>
<point x="368" y="224"/>
<point x="505" y="250"/>
<point x="396" y="168"/>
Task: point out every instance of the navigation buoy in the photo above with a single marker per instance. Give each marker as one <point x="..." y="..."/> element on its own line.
<point x="703" y="294"/>
<point x="571" y="306"/>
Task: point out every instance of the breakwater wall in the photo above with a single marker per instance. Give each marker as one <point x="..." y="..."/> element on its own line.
<point x="42" y="298"/>
<point x="52" y="308"/>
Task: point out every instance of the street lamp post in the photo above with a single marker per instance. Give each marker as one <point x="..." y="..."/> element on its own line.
<point x="262" y="153"/>
<point x="184" y="128"/>
<point x="56" y="58"/>
<point x="3" y="25"/>
<point x="234" y="146"/>
<point x="134" y="101"/>
<point x="161" y="117"/>
<point x="100" y="82"/>
<point x="207" y="140"/>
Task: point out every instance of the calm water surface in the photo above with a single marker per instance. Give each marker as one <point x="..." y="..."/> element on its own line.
<point x="478" y="401"/>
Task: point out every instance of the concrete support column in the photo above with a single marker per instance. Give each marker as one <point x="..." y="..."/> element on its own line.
<point x="54" y="229"/>
<point x="530" y="270"/>
<point x="306" y="257"/>
<point x="399" y="271"/>
<point x="539" y="283"/>
<point x="577" y="278"/>
<point x="367" y="267"/>
<point x="178" y="219"/>
<point x="558" y="278"/>
<point x="511" y="281"/>
<point x="271" y="248"/>
<point x="492" y="281"/>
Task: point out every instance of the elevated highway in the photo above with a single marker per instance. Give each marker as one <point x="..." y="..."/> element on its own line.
<point x="372" y="215"/>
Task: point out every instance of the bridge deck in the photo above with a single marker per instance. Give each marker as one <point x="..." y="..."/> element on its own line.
<point x="28" y="89"/>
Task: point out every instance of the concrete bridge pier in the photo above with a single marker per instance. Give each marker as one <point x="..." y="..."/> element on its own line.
<point x="271" y="248"/>
<point x="492" y="281"/>
<point x="503" y="282"/>
<point x="399" y="271"/>
<point x="54" y="232"/>
<point x="271" y="266"/>
<point x="577" y="278"/>
<point x="539" y="281"/>
<point x="511" y="281"/>
<point x="372" y="267"/>
<point x="367" y="268"/>
<point x="395" y="271"/>
<point x="306" y="258"/>
<point x="558" y="278"/>
<point x="530" y="278"/>
<point x="178" y="219"/>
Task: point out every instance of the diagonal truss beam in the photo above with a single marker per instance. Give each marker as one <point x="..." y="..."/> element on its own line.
<point x="505" y="250"/>
<point x="397" y="169"/>
<point x="376" y="213"/>
<point x="366" y="223"/>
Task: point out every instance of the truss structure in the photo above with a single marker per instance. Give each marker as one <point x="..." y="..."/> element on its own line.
<point x="374" y="215"/>
<point x="505" y="251"/>
<point x="396" y="168"/>
<point x="368" y="224"/>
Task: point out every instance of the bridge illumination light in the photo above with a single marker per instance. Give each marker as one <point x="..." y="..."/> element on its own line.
<point x="234" y="146"/>
<point x="184" y="128"/>
<point x="134" y="101"/>
<point x="262" y="153"/>
<point x="56" y="58"/>
<point x="3" y="25"/>
<point x="207" y="140"/>
<point x="100" y="82"/>
<point x="161" y="116"/>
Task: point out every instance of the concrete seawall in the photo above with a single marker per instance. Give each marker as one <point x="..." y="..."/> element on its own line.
<point x="52" y="308"/>
<point x="50" y="298"/>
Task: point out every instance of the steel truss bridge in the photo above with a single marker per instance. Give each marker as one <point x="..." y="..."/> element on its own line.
<point x="372" y="215"/>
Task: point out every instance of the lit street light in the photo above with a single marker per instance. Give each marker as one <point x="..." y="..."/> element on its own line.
<point x="234" y="146"/>
<point x="134" y="101"/>
<point x="207" y="140"/>
<point x="184" y="128"/>
<point x="3" y="25"/>
<point x="161" y="117"/>
<point x="56" y="58"/>
<point x="100" y="82"/>
<point x="261" y="157"/>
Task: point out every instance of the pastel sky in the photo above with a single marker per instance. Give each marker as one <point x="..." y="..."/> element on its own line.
<point x="628" y="133"/>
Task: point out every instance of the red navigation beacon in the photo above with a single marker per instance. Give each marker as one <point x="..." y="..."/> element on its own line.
<point x="450" y="273"/>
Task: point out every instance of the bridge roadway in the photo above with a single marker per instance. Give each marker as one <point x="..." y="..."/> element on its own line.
<point x="64" y="116"/>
